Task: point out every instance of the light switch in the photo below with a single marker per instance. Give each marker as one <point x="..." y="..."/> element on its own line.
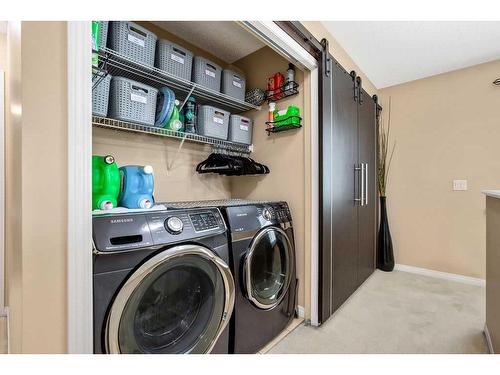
<point x="459" y="185"/>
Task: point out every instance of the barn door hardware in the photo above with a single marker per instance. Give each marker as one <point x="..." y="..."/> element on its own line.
<point x="378" y="107"/>
<point x="359" y="84"/>
<point x="327" y="61"/>
<point x="354" y="85"/>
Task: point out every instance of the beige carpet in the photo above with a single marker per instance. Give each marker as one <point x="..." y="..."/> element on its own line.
<point x="399" y="312"/>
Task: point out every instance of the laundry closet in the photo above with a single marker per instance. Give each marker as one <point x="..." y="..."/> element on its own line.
<point x="174" y="156"/>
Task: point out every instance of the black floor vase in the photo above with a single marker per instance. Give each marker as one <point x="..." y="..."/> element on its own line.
<point x="385" y="254"/>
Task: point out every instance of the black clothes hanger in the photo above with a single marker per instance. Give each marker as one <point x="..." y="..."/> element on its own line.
<point x="231" y="165"/>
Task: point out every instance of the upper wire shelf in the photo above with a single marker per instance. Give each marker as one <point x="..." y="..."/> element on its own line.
<point x="104" y="122"/>
<point x="117" y="64"/>
<point x="284" y="91"/>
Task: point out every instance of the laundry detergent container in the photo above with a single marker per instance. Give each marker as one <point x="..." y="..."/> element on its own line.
<point x="165" y="103"/>
<point x="133" y="41"/>
<point x="137" y="186"/>
<point x="212" y="122"/>
<point x="174" y="59"/>
<point x="105" y="182"/>
<point x="206" y="73"/>
<point x="132" y="101"/>
<point x="233" y="84"/>
<point x="100" y="94"/>
<point x="240" y="129"/>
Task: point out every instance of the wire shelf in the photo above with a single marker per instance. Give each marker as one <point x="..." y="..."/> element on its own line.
<point x="120" y="65"/>
<point x="291" y="122"/>
<point x="108" y="123"/>
<point x="288" y="89"/>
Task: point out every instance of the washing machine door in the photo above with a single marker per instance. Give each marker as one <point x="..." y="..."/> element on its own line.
<point x="179" y="301"/>
<point x="268" y="267"/>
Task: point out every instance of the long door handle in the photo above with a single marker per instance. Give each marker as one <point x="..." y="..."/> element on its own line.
<point x="363" y="192"/>
<point x="356" y="170"/>
<point x="366" y="184"/>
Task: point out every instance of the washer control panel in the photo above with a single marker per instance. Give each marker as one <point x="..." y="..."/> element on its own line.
<point x="204" y="221"/>
<point x="174" y="225"/>
<point x="122" y="232"/>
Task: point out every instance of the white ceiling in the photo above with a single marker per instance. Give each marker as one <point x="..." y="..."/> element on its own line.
<point x="393" y="52"/>
<point x="224" y="39"/>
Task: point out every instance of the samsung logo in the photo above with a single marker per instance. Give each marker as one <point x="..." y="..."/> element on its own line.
<point x="239" y="215"/>
<point x="119" y="221"/>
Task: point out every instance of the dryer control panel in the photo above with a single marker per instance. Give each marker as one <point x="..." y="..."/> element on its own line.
<point x="277" y="212"/>
<point x="254" y="217"/>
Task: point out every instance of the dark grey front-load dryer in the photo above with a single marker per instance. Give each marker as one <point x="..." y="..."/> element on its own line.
<point x="263" y="265"/>
<point x="162" y="283"/>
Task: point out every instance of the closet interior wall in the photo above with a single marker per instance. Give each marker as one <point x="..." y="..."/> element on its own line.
<point x="282" y="152"/>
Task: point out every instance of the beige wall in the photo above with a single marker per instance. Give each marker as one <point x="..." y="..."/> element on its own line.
<point x="446" y="127"/>
<point x="36" y="170"/>
<point x="3" y="51"/>
<point x="283" y="153"/>
<point x="181" y="182"/>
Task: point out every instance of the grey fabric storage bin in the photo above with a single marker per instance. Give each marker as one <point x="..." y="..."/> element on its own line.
<point x="174" y="59"/>
<point x="240" y="129"/>
<point x="206" y="73"/>
<point x="233" y="84"/>
<point x="132" y="101"/>
<point x="212" y="122"/>
<point x="134" y="41"/>
<point x="100" y="95"/>
<point x="103" y="34"/>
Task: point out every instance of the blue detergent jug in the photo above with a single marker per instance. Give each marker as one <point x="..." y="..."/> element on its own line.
<point x="137" y="186"/>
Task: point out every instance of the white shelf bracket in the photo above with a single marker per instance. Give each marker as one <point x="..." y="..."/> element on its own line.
<point x="172" y="162"/>
<point x="187" y="97"/>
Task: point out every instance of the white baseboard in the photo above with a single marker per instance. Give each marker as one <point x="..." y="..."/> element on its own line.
<point x="301" y="311"/>
<point x="441" y="275"/>
<point x="488" y="339"/>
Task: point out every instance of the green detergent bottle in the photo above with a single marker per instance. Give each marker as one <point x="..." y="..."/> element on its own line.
<point x="96" y="29"/>
<point x="105" y="182"/>
<point x="175" y="123"/>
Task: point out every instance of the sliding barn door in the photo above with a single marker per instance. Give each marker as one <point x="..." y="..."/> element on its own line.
<point x="367" y="209"/>
<point x="344" y="176"/>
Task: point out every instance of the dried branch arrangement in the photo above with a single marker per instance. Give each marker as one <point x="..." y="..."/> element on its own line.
<point x="385" y="152"/>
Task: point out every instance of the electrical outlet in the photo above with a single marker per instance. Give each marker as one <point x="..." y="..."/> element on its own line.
<point x="459" y="185"/>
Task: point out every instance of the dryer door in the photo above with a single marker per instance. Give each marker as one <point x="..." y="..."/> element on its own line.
<point x="268" y="267"/>
<point x="179" y="301"/>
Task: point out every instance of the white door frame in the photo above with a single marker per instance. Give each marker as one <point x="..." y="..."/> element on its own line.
<point x="79" y="257"/>
<point x="80" y="311"/>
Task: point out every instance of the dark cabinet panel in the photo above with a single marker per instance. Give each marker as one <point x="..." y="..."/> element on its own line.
<point x="325" y="287"/>
<point x="343" y="176"/>
<point x="347" y="225"/>
<point x="367" y="211"/>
